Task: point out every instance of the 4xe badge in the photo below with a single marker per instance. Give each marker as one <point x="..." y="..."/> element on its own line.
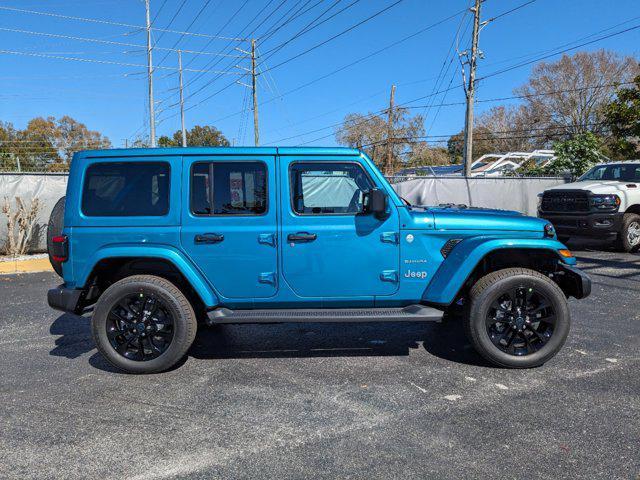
<point x="412" y="274"/>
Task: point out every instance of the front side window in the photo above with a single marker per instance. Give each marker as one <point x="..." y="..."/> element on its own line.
<point x="328" y="188"/>
<point x="229" y="188"/>
<point x="126" y="189"/>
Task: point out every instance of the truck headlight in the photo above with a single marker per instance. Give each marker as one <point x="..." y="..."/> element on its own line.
<point x="604" y="202"/>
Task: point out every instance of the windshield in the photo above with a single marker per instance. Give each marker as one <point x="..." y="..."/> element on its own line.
<point x="616" y="173"/>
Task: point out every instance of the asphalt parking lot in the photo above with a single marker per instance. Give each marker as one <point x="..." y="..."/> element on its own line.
<point x="324" y="401"/>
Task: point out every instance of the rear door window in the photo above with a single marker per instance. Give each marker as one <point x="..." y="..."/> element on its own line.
<point x="229" y="188"/>
<point x="126" y="189"/>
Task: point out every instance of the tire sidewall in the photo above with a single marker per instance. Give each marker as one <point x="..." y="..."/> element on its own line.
<point x="181" y="336"/>
<point x="480" y="307"/>
<point x="55" y="226"/>
<point x="626" y="221"/>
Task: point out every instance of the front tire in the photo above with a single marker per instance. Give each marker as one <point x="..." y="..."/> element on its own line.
<point x="143" y="324"/>
<point x="629" y="239"/>
<point x="517" y="318"/>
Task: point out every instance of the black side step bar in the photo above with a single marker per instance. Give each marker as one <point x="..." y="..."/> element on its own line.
<point x="411" y="313"/>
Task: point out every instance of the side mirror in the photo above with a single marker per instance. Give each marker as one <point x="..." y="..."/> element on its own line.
<point x="375" y="202"/>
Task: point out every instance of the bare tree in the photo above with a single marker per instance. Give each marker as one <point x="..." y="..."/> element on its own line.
<point x="504" y="129"/>
<point x="370" y="132"/>
<point x="20" y="225"/>
<point x="568" y="97"/>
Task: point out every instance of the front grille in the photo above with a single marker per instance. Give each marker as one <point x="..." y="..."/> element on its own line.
<point x="565" y="201"/>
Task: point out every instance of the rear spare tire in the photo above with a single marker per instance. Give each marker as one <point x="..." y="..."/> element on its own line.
<point x="54" y="228"/>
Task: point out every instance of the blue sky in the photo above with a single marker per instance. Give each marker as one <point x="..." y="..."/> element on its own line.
<point x="113" y="98"/>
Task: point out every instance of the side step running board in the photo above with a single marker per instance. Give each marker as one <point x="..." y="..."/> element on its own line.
<point x="411" y="313"/>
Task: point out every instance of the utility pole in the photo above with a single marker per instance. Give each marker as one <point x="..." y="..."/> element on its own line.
<point x="184" y="131"/>
<point x="389" y="167"/>
<point x="152" y="114"/>
<point x="470" y="91"/>
<point x="256" y="133"/>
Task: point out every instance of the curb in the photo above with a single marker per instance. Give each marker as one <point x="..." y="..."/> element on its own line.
<point x="25" y="266"/>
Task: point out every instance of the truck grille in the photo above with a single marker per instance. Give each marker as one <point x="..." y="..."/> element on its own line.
<point x="565" y="201"/>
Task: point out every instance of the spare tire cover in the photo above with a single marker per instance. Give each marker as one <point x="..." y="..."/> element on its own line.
<point x="56" y="224"/>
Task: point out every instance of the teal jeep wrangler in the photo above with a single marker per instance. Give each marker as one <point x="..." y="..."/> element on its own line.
<point x="155" y="241"/>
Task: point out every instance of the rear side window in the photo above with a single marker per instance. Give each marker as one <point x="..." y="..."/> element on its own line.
<point x="229" y="188"/>
<point x="127" y="189"/>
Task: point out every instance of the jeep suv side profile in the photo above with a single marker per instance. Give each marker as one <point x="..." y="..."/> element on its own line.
<point x="154" y="241"/>
<point x="604" y="203"/>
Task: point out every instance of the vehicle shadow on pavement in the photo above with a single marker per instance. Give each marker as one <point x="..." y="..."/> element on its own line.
<point x="75" y="339"/>
<point x="444" y="340"/>
<point x="291" y="340"/>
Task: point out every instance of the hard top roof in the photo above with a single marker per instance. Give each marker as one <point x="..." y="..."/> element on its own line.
<point x="181" y="151"/>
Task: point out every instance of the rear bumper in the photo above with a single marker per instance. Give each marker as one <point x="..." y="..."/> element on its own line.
<point x="65" y="299"/>
<point x="596" y="225"/>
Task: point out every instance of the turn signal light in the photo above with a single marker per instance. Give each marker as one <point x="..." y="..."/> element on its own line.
<point x="565" y="253"/>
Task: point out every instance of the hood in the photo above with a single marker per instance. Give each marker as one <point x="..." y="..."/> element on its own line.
<point x="594" y="186"/>
<point x="482" y="219"/>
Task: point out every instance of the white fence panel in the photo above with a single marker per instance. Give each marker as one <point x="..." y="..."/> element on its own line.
<point x="505" y="193"/>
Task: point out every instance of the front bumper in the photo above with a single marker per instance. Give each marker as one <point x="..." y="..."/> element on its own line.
<point x="65" y="299"/>
<point x="573" y="281"/>
<point x="597" y="225"/>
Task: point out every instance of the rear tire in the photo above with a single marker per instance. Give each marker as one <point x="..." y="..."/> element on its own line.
<point x="629" y="238"/>
<point x="54" y="228"/>
<point x="508" y="323"/>
<point x="143" y="324"/>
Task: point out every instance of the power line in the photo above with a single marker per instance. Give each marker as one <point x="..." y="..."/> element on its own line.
<point x="529" y="62"/>
<point x="109" y="42"/>
<point x="118" y="24"/>
<point x="175" y="15"/>
<point x="310" y="26"/>
<point x="206" y="4"/>
<point x="357" y="61"/>
<point x="110" y="62"/>
<point x="499" y="99"/>
<point x="337" y="35"/>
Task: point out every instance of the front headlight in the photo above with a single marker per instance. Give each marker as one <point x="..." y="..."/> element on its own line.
<point x="549" y="231"/>
<point x="604" y="202"/>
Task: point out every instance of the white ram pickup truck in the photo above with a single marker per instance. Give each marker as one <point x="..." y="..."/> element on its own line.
<point x="604" y="203"/>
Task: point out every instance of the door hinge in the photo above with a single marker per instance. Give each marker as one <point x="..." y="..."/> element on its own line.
<point x="267" y="277"/>
<point x="389" y="276"/>
<point x="389" y="237"/>
<point x="267" y="239"/>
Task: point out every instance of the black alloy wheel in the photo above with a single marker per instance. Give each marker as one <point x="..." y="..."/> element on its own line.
<point x="143" y="324"/>
<point x="139" y="327"/>
<point x="517" y="318"/>
<point x="520" y="321"/>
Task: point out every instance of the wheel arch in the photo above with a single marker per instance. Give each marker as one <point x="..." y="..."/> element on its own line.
<point x="635" y="208"/>
<point x="473" y="258"/>
<point x="110" y="264"/>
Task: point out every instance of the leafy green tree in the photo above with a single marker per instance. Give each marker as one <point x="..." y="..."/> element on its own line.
<point x="623" y="119"/>
<point x="576" y="155"/>
<point x="198" y="136"/>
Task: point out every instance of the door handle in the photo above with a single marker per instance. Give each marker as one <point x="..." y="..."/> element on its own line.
<point x="208" y="238"/>
<point x="302" y="237"/>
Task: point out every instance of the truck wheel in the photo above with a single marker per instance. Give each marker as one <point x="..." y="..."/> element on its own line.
<point x="54" y="228"/>
<point x="629" y="239"/>
<point x="517" y="318"/>
<point x="143" y="324"/>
